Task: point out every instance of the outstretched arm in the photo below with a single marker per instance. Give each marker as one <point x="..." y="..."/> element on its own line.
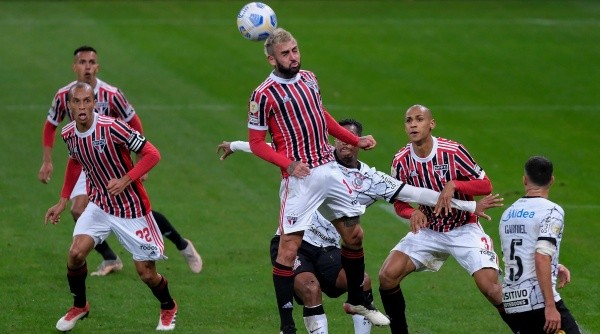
<point x="48" y="134"/>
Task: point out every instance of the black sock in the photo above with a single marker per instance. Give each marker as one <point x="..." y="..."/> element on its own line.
<point x="161" y="292"/>
<point x="353" y="262"/>
<point x="105" y="251"/>
<point x="169" y="231"/>
<point x="310" y="311"/>
<point x="283" y="280"/>
<point x="395" y="308"/>
<point x="76" y="279"/>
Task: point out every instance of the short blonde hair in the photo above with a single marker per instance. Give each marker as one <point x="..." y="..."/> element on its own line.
<point x="278" y="36"/>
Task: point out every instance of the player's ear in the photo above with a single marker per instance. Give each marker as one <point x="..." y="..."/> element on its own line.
<point x="432" y="124"/>
<point x="271" y="60"/>
<point x="551" y="180"/>
<point x="524" y="180"/>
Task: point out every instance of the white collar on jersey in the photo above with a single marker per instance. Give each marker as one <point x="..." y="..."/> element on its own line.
<point x="431" y="154"/>
<point x="284" y="81"/>
<point x="90" y="130"/>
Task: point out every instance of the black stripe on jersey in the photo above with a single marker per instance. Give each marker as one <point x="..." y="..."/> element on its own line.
<point x="552" y="240"/>
<point x="460" y="160"/>
<point x="288" y="124"/>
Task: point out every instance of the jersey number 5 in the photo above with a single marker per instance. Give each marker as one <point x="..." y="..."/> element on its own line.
<point x="512" y="275"/>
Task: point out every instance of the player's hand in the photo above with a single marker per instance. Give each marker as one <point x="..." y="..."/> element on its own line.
<point x="144" y="177"/>
<point x="225" y="146"/>
<point x="418" y="220"/>
<point x="564" y="276"/>
<point x="45" y="172"/>
<point x="298" y="169"/>
<point x="444" y="202"/>
<point x="366" y="142"/>
<point x="116" y="186"/>
<point x="552" y="319"/>
<point x="489" y="201"/>
<point x="53" y="214"/>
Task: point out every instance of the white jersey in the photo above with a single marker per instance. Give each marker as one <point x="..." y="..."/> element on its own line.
<point x="525" y="222"/>
<point x="368" y="185"/>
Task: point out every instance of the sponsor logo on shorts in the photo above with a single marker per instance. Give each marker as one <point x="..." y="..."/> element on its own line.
<point x="148" y="247"/>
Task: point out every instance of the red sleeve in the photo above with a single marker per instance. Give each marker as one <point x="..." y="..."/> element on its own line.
<point x="136" y="124"/>
<point x="149" y="157"/>
<point x="403" y="209"/>
<point x="71" y="175"/>
<point x="48" y="134"/>
<point x="261" y="149"/>
<point x="474" y="187"/>
<point x="339" y="132"/>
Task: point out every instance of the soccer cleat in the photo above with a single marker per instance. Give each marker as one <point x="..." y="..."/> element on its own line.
<point x="167" y="319"/>
<point x="108" y="266"/>
<point x="368" y="311"/>
<point x="67" y="322"/>
<point x="192" y="257"/>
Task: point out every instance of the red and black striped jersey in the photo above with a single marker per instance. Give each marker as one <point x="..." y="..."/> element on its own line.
<point x="104" y="153"/>
<point x="447" y="161"/>
<point x="110" y="101"/>
<point x="292" y="112"/>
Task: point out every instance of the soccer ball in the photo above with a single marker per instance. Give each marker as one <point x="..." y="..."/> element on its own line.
<point x="256" y="21"/>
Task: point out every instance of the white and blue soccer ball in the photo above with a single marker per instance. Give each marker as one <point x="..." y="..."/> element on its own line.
<point x="256" y="21"/>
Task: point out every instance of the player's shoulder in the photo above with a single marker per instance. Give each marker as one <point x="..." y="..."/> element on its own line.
<point x="105" y="120"/>
<point x="402" y="152"/>
<point x="67" y="129"/>
<point x="106" y="87"/>
<point x="448" y="144"/>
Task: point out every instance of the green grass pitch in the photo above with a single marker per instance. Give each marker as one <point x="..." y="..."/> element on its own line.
<point x="508" y="79"/>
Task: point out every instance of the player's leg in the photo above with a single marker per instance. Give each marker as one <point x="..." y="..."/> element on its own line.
<point x="79" y="200"/>
<point x="396" y="266"/>
<point x="283" y="278"/>
<point x="159" y="286"/>
<point x="145" y="251"/>
<point x="185" y="247"/>
<point x="567" y="321"/>
<point x="307" y="288"/>
<point x="89" y="230"/>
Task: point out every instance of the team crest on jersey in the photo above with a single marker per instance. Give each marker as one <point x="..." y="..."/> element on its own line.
<point x="312" y="84"/>
<point x="99" y="145"/>
<point x="102" y="108"/>
<point x="358" y="180"/>
<point x="291" y="220"/>
<point x="441" y="170"/>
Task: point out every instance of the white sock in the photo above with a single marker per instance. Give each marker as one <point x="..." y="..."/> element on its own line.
<point x="316" y="324"/>
<point x="361" y="324"/>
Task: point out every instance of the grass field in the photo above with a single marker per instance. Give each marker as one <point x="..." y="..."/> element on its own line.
<point x="509" y="79"/>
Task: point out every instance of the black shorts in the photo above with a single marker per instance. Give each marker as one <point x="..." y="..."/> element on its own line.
<point x="324" y="262"/>
<point x="532" y="322"/>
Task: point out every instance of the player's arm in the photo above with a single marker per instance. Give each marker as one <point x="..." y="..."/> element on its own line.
<point x="71" y="175"/>
<point x="48" y="135"/>
<point x="149" y="157"/>
<point x="475" y="187"/>
<point x="544" y="251"/>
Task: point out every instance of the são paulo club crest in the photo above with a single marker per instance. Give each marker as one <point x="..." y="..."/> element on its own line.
<point x="99" y="145"/>
<point x="441" y="170"/>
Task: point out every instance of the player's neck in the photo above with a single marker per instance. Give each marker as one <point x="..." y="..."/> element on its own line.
<point x="537" y="192"/>
<point x="423" y="148"/>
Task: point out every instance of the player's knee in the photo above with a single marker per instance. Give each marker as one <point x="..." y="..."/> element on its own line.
<point x="77" y="256"/>
<point x="308" y="290"/>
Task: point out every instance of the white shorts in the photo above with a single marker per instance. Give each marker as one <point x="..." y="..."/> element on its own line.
<point x="325" y="190"/>
<point x="468" y="244"/>
<point x="140" y="236"/>
<point x="80" y="186"/>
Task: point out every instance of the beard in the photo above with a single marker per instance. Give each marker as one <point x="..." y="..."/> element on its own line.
<point x="287" y="72"/>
